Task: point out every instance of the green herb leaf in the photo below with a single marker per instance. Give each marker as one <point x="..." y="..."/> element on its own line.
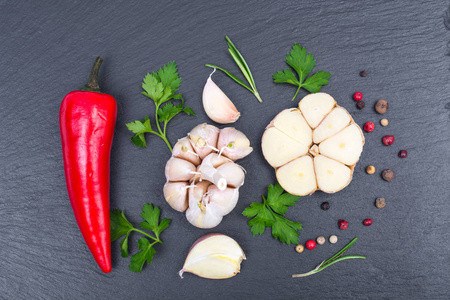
<point x="303" y="63"/>
<point x="161" y="87"/>
<point x="120" y="227"/>
<point x="145" y="255"/>
<point x="270" y="214"/>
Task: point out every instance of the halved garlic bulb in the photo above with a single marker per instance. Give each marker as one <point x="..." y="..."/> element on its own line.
<point x="217" y="105"/>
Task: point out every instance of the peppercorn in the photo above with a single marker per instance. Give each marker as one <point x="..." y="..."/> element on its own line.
<point x="388" y="140"/>
<point x="370" y="170"/>
<point x="369" y="126"/>
<point x="363" y="73"/>
<point x="333" y="239"/>
<point x="380" y="202"/>
<point x="387" y="175"/>
<point x="367" y="222"/>
<point x="381" y="106"/>
<point x="384" y="122"/>
<point x="360" y="104"/>
<point x="310" y="244"/>
<point x="320" y="240"/>
<point x="342" y="224"/>
<point x="357" y="96"/>
<point x="403" y="154"/>
<point x="325" y="206"/>
<point x="299" y="248"/>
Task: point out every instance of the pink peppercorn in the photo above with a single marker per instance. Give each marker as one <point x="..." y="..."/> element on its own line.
<point x="369" y="126"/>
<point x="367" y="222"/>
<point x="310" y="244"/>
<point x="342" y="224"/>
<point x="388" y="140"/>
<point x="357" y="96"/>
<point x="403" y="154"/>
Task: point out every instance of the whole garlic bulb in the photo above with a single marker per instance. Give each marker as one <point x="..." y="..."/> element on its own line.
<point x="202" y="181"/>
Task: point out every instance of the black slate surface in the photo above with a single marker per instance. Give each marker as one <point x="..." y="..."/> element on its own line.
<point x="46" y="50"/>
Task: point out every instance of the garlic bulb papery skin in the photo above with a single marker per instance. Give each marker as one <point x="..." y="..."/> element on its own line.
<point x="224" y="201"/>
<point x="199" y="213"/>
<point x="203" y="138"/>
<point x="183" y="149"/>
<point x="214" y="256"/>
<point x="216" y="160"/>
<point x="209" y="173"/>
<point x="217" y="105"/>
<point x="233" y="173"/>
<point x="175" y="194"/>
<point x="233" y="144"/>
<point x="178" y="169"/>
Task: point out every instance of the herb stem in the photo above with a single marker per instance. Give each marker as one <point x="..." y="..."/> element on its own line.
<point x="157" y="240"/>
<point x="296" y="93"/>
<point x="162" y="134"/>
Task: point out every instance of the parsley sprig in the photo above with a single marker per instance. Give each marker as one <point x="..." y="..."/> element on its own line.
<point x="332" y="260"/>
<point x="120" y="226"/>
<point x="242" y="64"/>
<point x="303" y="63"/>
<point x="270" y="213"/>
<point x="161" y="87"/>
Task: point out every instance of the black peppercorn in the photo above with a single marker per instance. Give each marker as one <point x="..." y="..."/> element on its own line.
<point x="325" y="206"/>
<point x="363" y="73"/>
<point x="360" y="104"/>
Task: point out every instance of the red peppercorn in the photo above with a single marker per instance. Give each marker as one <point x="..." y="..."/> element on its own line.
<point x="367" y="222"/>
<point x="357" y="96"/>
<point x="403" y="154"/>
<point x="369" y="126"/>
<point x="388" y="140"/>
<point x="342" y="224"/>
<point x="310" y="244"/>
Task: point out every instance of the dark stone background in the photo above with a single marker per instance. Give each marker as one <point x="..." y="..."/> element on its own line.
<point x="47" y="49"/>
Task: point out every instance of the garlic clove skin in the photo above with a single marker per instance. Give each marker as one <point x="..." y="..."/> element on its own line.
<point x="214" y="256"/>
<point x="175" y="194"/>
<point x="233" y="174"/>
<point x="216" y="160"/>
<point x="199" y="213"/>
<point x="183" y="149"/>
<point x="233" y="143"/>
<point x="223" y="201"/>
<point x="209" y="172"/>
<point x="179" y="169"/>
<point x="203" y="138"/>
<point x="217" y="105"/>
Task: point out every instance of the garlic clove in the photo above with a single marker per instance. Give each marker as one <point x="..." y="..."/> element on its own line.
<point x="183" y="149"/>
<point x="179" y="169"/>
<point x="199" y="213"/>
<point x="217" y="105"/>
<point x="203" y="138"/>
<point x="175" y="194"/>
<point x="233" y="174"/>
<point x="224" y="201"/>
<point x="214" y="256"/>
<point x="233" y="144"/>
<point x="209" y="172"/>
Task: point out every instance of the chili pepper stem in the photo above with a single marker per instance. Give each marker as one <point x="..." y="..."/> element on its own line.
<point x="92" y="84"/>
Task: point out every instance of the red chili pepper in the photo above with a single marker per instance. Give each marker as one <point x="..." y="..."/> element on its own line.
<point x="87" y="119"/>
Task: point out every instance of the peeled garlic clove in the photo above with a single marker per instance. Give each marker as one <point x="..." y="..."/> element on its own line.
<point x="233" y="144"/>
<point x="179" y="169"/>
<point x="224" y="201"/>
<point x="233" y="174"/>
<point x="183" y="149"/>
<point x="175" y="194"/>
<point x="214" y="256"/>
<point x="217" y="105"/>
<point x="203" y="138"/>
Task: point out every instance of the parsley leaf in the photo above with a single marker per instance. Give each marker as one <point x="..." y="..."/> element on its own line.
<point x="270" y="214"/>
<point x="161" y="87"/>
<point x="303" y="63"/>
<point x="120" y="226"/>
